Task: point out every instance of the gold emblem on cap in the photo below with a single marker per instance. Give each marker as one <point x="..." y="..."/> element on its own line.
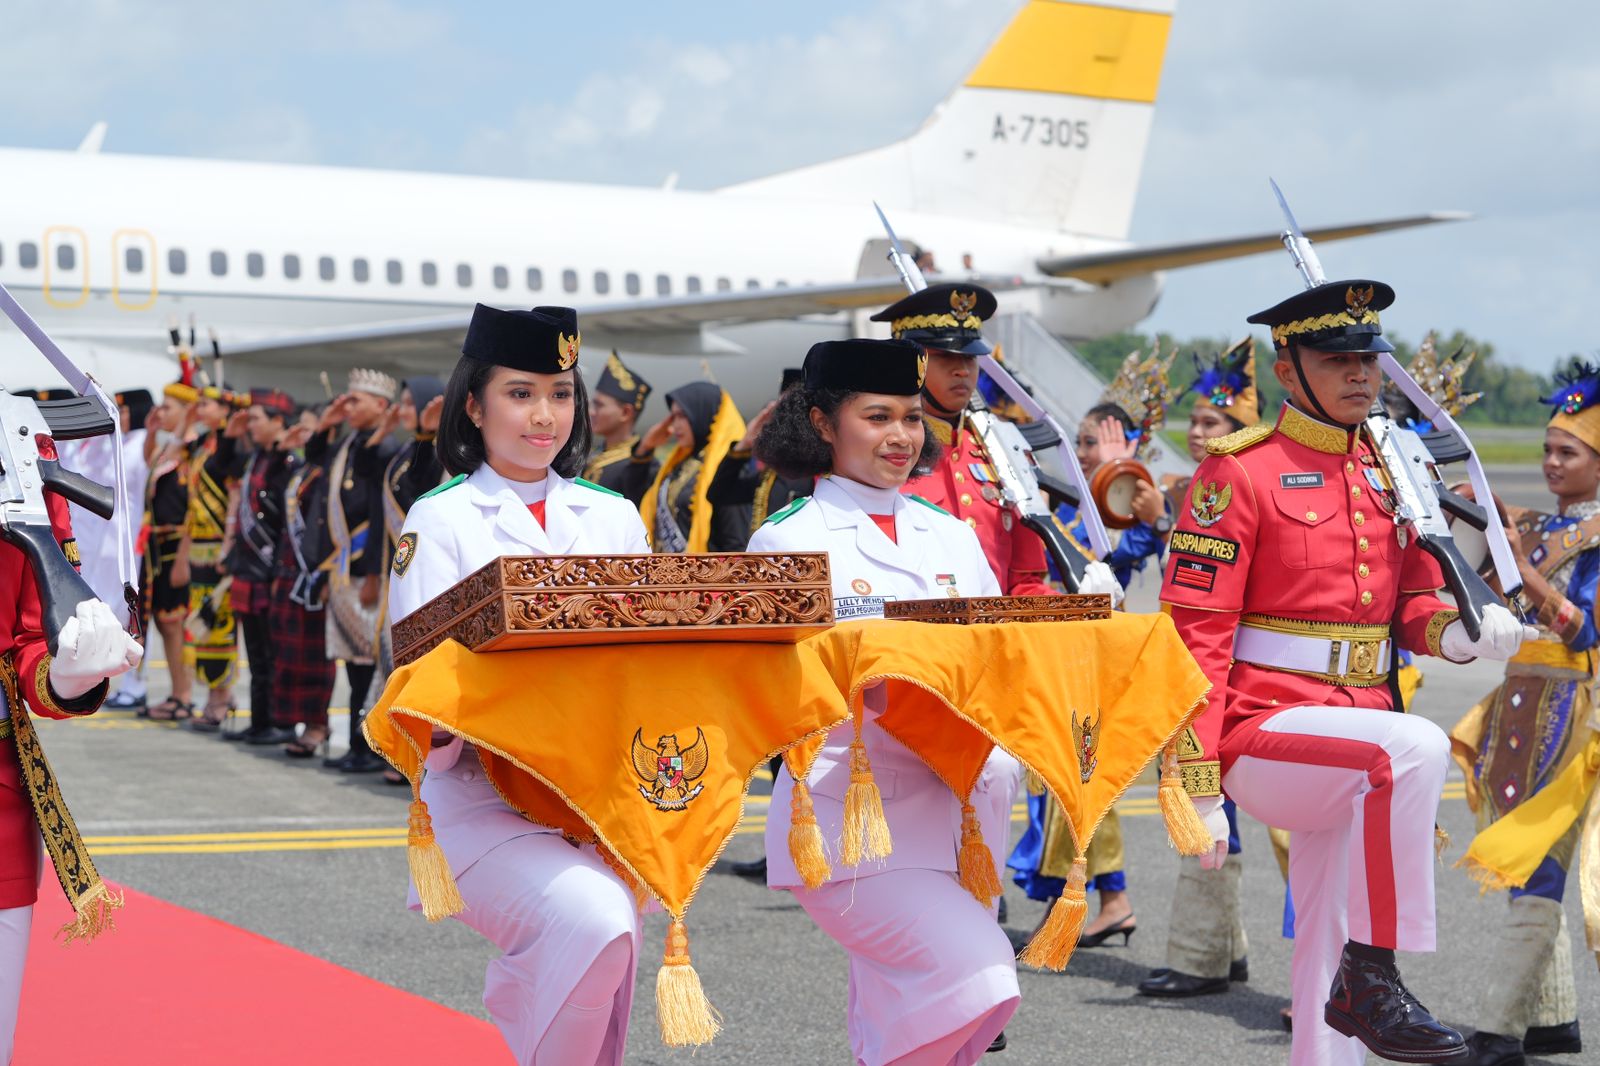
<point x="962" y="303"/>
<point x="567" y="349"/>
<point x="620" y="372"/>
<point x="922" y="367"/>
<point x="1356" y="300"/>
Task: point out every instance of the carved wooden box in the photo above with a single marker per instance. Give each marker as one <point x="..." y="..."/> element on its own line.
<point x="966" y="610"/>
<point x="539" y="601"/>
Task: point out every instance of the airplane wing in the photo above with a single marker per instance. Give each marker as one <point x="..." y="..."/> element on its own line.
<point x="418" y="340"/>
<point x="1103" y="268"/>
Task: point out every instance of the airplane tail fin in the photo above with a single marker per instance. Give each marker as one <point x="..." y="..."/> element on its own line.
<point x="1048" y="130"/>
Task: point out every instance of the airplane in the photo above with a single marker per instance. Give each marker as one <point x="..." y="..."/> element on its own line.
<point x="1025" y="174"/>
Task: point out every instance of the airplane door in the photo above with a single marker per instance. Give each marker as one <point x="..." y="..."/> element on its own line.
<point x="66" y="267"/>
<point x="133" y="269"/>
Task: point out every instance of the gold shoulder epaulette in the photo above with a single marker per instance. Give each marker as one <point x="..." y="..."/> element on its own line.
<point x="1239" y="440"/>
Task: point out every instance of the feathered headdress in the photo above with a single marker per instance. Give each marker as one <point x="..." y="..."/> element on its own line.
<point x="1444" y="379"/>
<point x="1228" y="383"/>
<point x="1577" y="403"/>
<point x="1143" y="389"/>
<point x="184" y="388"/>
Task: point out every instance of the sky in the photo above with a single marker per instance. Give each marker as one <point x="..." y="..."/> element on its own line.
<point x="1361" y="110"/>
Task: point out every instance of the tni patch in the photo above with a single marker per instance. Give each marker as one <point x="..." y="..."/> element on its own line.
<point x="1193" y="574"/>
<point x="404" y="552"/>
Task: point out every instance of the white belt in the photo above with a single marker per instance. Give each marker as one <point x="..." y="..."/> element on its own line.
<point x="1354" y="661"/>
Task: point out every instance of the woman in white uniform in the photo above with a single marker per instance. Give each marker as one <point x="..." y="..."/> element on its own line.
<point x="933" y="978"/>
<point x="514" y="434"/>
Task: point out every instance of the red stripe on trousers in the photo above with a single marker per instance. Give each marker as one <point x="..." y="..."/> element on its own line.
<point x="1345" y="754"/>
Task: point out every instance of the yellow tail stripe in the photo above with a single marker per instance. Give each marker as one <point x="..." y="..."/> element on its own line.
<point x="1106" y="53"/>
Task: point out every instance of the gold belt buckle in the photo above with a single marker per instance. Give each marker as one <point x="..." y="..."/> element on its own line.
<point x="1363" y="662"/>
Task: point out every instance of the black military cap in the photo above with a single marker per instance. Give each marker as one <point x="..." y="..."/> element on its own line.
<point x="1337" y="316"/>
<point x="947" y="317"/>
<point x="544" y="340"/>
<point x="892" y="368"/>
<point x="622" y="384"/>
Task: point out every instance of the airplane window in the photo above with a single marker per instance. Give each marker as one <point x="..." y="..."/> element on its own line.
<point x="27" y="255"/>
<point x="219" y="263"/>
<point x="394" y="272"/>
<point x="663" y="285"/>
<point x="430" y="274"/>
<point x="133" y="259"/>
<point x="502" y="277"/>
<point x="752" y="284"/>
<point x="66" y="256"/>
<point x="177" y="261"/>
<point x="569" y="280"/>
<point x="535" y="279"/>
<point x="631" y="283"/>
<point x="359" y="270"/>
<point x="255" y="265"/>
<point x="692" y="283"/>
<point x="781" y="284"/>
<point x="724" y="284"/>
<point x="325" y="268"/>
<point x="291" y="266"/>
<point x="602" y="282"/>
<point x="464" y="275"/>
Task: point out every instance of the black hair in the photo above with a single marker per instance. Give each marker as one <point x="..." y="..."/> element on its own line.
<point x="1110" y="410"/>
<point x="791" y="445"/>
<point x="460" y="444"/>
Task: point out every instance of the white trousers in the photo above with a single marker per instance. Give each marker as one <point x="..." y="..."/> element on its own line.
<point x="569" y="929"/>
<point x="1359" y="789"/>
<point x="933" y="978"/>
<point x="15" y="924"/>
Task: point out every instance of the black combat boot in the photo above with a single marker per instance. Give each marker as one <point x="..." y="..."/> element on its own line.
<point x="1369" y="1002"/>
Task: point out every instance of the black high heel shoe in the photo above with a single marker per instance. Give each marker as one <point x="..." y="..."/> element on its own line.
<point x="1126" y="927"/>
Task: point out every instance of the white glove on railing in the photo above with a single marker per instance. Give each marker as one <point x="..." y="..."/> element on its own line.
<point x="1216" y="819"/>
<point x="1500" y="637"/>
<point x="1098" y="580"/>
<point x="93" y="647"/>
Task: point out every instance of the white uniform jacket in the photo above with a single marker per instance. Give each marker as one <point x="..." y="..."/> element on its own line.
<point x="464" y="526"/>
<point x="934" y="555"/>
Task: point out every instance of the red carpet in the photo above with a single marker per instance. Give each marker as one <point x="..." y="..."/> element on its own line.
<point x="175" y="988"/>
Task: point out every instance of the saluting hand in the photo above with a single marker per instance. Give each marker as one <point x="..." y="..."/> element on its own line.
<point x="236" y="424"/>
<point x="428" y="417"/>
<point x="336" y="412"/>
<point x="655" y="437"/>
<point x="1113" y="440"/>
<point x="753" y="430"/>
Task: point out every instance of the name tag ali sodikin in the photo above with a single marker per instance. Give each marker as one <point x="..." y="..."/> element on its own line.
<point x="1311" y="480"/>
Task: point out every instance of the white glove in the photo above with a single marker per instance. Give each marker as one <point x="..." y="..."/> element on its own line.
<point x="1098" y="580"/>
<point x="93" y="646"/>
<point x="1216" y="819"/>
<point x="1500" y="637"/>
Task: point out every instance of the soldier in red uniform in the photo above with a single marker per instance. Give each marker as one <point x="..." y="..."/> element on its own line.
<point x="1293" y="586"/>
<point x="92" y="647"/>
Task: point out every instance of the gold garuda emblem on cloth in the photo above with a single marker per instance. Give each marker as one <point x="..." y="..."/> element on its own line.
<point x="962" y="303"/>
<point x="1208" y="501"/>
<point x="1086" y="744"/>
<point x="567" y="349"/>
<point x="668" y="771"/>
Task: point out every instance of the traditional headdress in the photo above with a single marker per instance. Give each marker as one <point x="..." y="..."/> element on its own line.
<point x="622" y="384"/>
<point x="1577" y="403"/>
<point x="1228" y="383"/>
<point x="273" y="401"/>
<point x="374" y="382"/>
<point x="1142" y="389"/>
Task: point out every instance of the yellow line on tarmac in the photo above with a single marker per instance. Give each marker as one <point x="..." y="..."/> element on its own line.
<point x="248" y="846"/>
<point x="213" y="838"/>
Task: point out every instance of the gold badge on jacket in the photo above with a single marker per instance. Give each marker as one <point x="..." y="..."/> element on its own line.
<point x="668" y="771"/>
<point x="567" y="349"/>
<point x="1208" y="500"/>
<point x="1086" y="743"/>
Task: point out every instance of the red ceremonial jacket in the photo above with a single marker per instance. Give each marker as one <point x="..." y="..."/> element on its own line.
<point x="964" y="484"/>
<point x="1292" y="522"/>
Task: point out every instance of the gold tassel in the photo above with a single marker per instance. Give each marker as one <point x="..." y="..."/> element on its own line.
<point x="1185" y="828"/>
<point x="1051" y="947"/>
<point x="685" y="1015"/>
<point x="975" y="861"/>
<point x="95" y="914"/>
<point x="430" y="871"/>
<point x="805" y="839"/>
<point x="866" y="830"/>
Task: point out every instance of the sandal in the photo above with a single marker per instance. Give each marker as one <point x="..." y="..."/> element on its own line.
<point x="171" y="710"/>
<point x="207" y="724"/>
<point x="301" y="749"/>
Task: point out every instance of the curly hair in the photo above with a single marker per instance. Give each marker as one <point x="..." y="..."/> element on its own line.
<point x="460" y="444"/>
<point x="791" y="445"/>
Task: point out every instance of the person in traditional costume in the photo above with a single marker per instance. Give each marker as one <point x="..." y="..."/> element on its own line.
<point x="932" y="976"/>
<point x="210" y="470"/>
<point x="1532" y="747"/>
<point x="514" y="434"/>
<point x="743" y="483"/>
<point x="614" y="408"/>
<point x="166" y="512"/>
<point x="355" y="527"/>
<point x="304" y="675"/>
<point x="676" y="507"/>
